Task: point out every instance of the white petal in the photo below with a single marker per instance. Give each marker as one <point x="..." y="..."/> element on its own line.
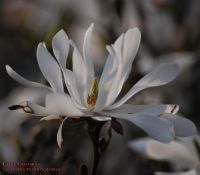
<point x="174" y="152"/>
<point x="24" y="81"/>
<point x="118" y="47"/>
<point x="191" y="172"/>
<point x="163" y="74"/>
<point x="86" y="50"/>
<point x="60" y="44"/>
<point x="55" y="105"/>
<point x="172" y="109"/>
<point x="110" y="67"/>
<point x="101" y="118"/>
<point x="129" y="48"/>
<point x="50" y="117"/>
<point x="183" y="127"/>
<point x="70" y="81"/>
<point x="124" y="49"/>
<point x="154" y="110"/>
<point x="105" y="82"/>
<point x="158" y="128"/>
<point x="59" y="133"/>
<point x="131" y="45"/>
<point x="50" y="68"/>
<point x="31" y="108"/>
<point x="62" y="105"/>
<point x="80" y="72"/>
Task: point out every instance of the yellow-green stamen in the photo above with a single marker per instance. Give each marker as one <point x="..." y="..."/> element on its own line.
<point x="93" y="93"/>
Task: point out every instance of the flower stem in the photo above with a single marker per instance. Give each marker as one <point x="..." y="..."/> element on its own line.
<point x="94" y="129"/>
<point x="96" y="160"/>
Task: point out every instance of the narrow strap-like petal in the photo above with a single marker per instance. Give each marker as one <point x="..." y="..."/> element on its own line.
<point x="154" y="109"/>
<point x="124" y="51"/>
<point x="50" y="117"/>
<point x="70" y="81"/>
<point x="80" y="72"/>
<point x="86" y="49"/>
<point x="31" y="108"/>
<point x="162" y="75"/>
<point x="183" y="127"/>
<point x="62" y="105"/>
<point x="50" y="68"/>
<point x="129" y="48"/>
<point x="56" y="104"/>
<point x="156" y="127"/>
<point x="59" y="133"/>
<point x="101" y="118"/>
<point x="60" y="44"/>
<point x="105" y="83"/>
<point x="24" y="81"/>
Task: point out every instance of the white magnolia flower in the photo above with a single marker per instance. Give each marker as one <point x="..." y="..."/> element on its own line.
<point x="88" y="97"/>
<point x="181" y="153"/>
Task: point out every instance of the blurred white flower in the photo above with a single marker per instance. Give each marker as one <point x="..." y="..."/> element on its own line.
<point x="89" y="98"/>
<point x="191" y="172"/>
<point x="181" y="153"/>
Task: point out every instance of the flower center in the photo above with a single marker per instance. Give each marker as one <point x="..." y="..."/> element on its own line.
<point x="93" y="94"/>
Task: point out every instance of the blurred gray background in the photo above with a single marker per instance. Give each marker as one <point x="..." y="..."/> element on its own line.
<point x="170" y="32"/>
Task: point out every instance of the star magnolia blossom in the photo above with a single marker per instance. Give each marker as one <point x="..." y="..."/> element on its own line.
<point x="89" y="98"/>
<point x="182" y="153"/>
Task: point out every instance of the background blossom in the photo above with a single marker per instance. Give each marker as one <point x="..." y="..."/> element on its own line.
<point x="170" y="30"/>
<point x="182" y="154"/>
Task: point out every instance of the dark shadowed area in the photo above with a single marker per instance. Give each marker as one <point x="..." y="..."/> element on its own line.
<point x="170" y="32"/>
